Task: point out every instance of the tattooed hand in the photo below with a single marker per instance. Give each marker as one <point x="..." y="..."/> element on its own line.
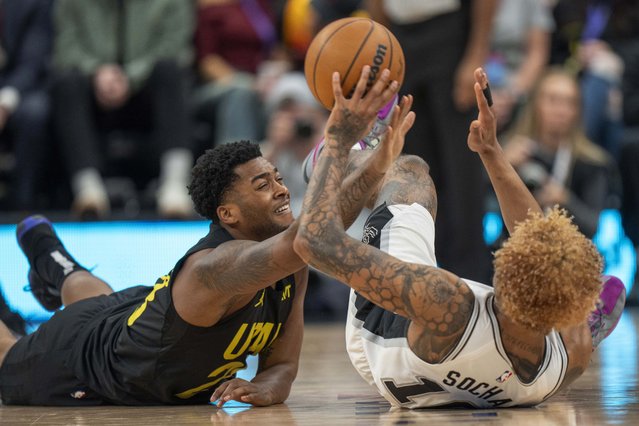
<point x="393" y="141"/>
<point x="351" y="119"/>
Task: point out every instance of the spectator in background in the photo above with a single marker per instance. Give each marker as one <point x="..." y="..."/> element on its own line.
<point x="295" y="125"/>
<point x="120" y="65"/>
<point x="327" y="11"/>
<point x="444" y="42"/>
<point x="233" y="38"/>
<point x="594" y="37"/>
<point x="25" y="47"/>
<point x="552" y="155"/>
<point x="519" y="53"/>
<point x="601" y="39"/>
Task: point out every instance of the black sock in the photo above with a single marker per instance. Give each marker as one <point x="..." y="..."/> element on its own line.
<point x="47" y="256"/>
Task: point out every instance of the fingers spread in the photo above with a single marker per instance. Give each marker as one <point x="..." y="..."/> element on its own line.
<point x="407" y="103"/>
<point x="382" y="91"/>
<point x="408" y="122"/>
<point x="396" y="114"/>
<point x="337" y="88"/>
<point x="360" y="88"/>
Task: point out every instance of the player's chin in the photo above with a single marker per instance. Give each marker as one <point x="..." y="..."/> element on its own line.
<point x="285" y="220"/>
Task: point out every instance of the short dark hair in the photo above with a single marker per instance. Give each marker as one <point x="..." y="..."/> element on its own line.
<point x="213" y="174"/>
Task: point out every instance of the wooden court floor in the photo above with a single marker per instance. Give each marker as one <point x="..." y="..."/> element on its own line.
<point x="328" y="391"/>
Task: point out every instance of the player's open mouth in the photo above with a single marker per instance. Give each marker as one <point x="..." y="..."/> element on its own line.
<point x="283" y="209"/>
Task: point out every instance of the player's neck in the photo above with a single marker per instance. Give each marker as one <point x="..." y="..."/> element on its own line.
<point x="524" y="347"/>
<point x="239" y="233"/>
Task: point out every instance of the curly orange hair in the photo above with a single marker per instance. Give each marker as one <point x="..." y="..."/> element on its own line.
<point x="547" y="274"/>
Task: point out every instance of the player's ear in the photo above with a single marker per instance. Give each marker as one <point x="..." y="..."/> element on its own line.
<point x="228" y="214"/>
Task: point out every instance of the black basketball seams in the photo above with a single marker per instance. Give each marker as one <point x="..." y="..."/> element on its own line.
<point x="319" y="53"/>
<point x="390" y="43"/>
<point x="361" y="46"/>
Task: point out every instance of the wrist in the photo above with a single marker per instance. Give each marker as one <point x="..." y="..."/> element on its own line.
<point x="334" y="143"/>
<point x="272" y="392"/>
<point x="491" y="152"/>
<point x="378" y="171"/>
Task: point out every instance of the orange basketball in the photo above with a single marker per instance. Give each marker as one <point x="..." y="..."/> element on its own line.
<point x="346" y="45"/>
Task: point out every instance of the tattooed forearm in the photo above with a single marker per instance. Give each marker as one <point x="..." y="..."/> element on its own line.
<point x="315" y="195"/>
<point x="350" y="128"/>
<point x="434" y="340"/>
<point x="434" y="298"/>
<point x="321" y="209"/>
<point x="356" y="191"/>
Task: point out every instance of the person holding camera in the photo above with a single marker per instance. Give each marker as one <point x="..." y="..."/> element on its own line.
<point x="553" y="156"/>
<point x="295" y="124"/>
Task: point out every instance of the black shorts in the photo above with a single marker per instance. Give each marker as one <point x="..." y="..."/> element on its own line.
<point x="35" y="370"/>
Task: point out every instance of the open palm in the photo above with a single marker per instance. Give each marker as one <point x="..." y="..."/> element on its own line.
<point x="483" y="131"/>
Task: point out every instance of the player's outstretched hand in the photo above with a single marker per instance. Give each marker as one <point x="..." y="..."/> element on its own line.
<point x="351" y="119"/>
<point x="393" y="141"/>
<point x="242" y="391"/>
<point x="482" y="136"/>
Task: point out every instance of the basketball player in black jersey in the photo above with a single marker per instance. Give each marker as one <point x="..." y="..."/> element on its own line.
<point x="540" y="286"/>
<point x="238" y="291"/>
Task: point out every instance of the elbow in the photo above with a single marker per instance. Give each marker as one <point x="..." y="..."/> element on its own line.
<point x="315" y="245"/>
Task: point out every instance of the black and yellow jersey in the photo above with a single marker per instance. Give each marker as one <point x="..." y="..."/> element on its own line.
<point x="137" y="349"/>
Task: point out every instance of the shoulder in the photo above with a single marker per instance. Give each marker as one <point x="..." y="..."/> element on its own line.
<point x="409" y="182"/>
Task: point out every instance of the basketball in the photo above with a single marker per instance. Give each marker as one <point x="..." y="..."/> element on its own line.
<point x="346" y="45"/>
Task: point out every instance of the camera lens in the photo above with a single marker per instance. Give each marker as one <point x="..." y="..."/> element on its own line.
<point x="533" y="174"/>
<point x="304" y="128"/>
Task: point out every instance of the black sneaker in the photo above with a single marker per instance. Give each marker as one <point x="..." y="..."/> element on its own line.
<point x="46" y="293"/>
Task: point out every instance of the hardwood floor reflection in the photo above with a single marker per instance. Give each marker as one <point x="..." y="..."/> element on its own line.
<point x="328" y="391"/>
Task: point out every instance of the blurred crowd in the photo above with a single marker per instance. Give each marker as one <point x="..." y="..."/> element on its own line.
<point x="104" y="104"/>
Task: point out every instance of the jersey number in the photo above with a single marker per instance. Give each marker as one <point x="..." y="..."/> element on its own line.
<point x="404" y="393"/>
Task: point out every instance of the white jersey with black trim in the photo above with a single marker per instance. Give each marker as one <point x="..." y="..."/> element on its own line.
<point x="476" y="373"/>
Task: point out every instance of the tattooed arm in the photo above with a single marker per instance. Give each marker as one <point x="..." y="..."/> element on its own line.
<point x="367" y="169"/>
<point x="433" y="298"/>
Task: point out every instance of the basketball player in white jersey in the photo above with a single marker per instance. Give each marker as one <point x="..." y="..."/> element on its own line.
<point x="423" y="336"/>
